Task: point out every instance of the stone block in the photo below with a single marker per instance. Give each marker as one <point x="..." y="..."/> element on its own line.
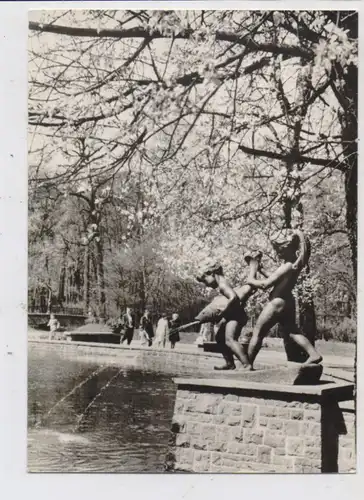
<point x="201" y="443"/>
<point x="346" y="442"/>
<point x="223" y="469"/>
<point x="184" y="456"/>
<point x="297" y="414"/>
<point x="347" y="467"/>
<point x="280" y="451"/>
<point x="256" y="467"/>
<point x="208" y="431"/>
<point x="264" y="454"/>
<point x="312" y="415"/>
<point x="253" y="436"/>
<point x="181" y="393"/>
<point x="216" y="459"/>
<point x="350" y="427"/>
<point x="179" y="406"/>
<point x="278" y="403"/>
<point x="236" y="434"/>
<point x="231" y="397"/>
<point x="202" y="456"/>
<point x="190" y="405"/>
<point x="218" y="446"/>
<point x="274" y="440"/>
<point x="295" y="446"/>
<point x="253" y="401"/>
<point x="232" y="460"/>
<point x="287" y="462"/>
<point x="194" y="428"/>
<point x="295" y="404"/>
<point x="263" y="421"/>
<point x="310" y="429"/>
<point x="234" y="421"/>
<point x="226" y="434"/>
<point x="310" y="406"/>
<point x="275" y="423"/>
<point x="267" y="411"/>
<point x="219" y="419"/>
<point x="292" y="428"/>
<point x="347" y="454"/>
<point x="249" y="450"/>
<point x="183" y="440"/>
<point x="313" y="452"/>
<point x="249" y="415"/>
<point x="204" y="418"/>
<point x="229" y="408"/>
<point x="284" y="413"/>
<point x="182" y="467"/>
<point x="207" y="404"/>
<point x="302" y="464"/>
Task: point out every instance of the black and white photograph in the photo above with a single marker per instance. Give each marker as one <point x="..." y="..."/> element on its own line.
<point x="192" y="241"/>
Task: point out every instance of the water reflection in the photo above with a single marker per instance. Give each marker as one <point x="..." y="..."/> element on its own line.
<point x="83" y="417"/>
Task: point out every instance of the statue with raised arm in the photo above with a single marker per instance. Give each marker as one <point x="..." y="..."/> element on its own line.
<point x="293" y="248"/>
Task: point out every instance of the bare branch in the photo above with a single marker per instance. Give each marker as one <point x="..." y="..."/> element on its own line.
<point x="296" y="158"/>
<point x="140" y="32"/>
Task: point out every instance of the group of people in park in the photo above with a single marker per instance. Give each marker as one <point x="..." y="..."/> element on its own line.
<point x="163" y="334"/>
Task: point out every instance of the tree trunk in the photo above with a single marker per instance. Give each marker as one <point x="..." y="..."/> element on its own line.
<point x="351" y="196"/>
<point x="86" y="281"/>
<point x="62" y="279"/>
<point x="349" y="134"/>
<point x="100" y="280"/>
<point x="346" y="91"/>
<point x="143" y="287"/>
<point x="49" y="301"/>
<point x="349" y="124"/>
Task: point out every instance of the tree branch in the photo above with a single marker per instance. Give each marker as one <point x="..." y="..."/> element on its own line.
<point x="296" y="158"/>
<point x="140" y="32"/>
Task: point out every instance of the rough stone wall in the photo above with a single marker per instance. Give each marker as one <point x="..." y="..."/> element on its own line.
<point x="222" y="432"/>
<point x="347" y="441"/>
<point x="219" y="432"/>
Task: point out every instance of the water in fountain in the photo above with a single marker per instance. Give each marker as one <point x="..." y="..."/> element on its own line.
<point x="116" y="421"/>
<point x="103" y="388"/>
<point x="78" y="386"/>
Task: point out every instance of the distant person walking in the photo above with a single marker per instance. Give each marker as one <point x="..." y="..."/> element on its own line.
<point x="146" y="329"/>
<point x="53" y="324"/>
<point x="162" y="331"/>
<point x="128" y="325"/>
<point x="174" y="336"/>
<point x="90" y="317"/>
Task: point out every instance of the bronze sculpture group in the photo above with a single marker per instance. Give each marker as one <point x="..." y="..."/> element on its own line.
<point x="227" y="310"/>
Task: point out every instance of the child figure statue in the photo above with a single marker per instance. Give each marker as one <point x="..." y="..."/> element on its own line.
<point x="227" y="310"/>
<point x="292" y="247"/>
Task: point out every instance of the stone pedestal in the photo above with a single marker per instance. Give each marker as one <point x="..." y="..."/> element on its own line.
<point x="232" y="425"/>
